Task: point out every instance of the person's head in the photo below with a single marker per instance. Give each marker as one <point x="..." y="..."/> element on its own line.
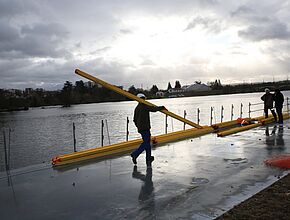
<point x="277" y="90"/>
<point x="267" y="90"/>
<point x="141" y="95"/>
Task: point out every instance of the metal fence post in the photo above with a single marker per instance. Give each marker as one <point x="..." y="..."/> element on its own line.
<point x="108" y="131"/>
<point x="166" y="124"/>
<point x="5" y="151"/>
<point x="127" y="129"/>
<point x="102" y="133"/>
<point x="241" y="110"/>
<point x="232" y="112"/>
<point x="74" y="137"/>
<point x="184" y="115"/>
<point x="287" y="100"/>
<point x="198" y="116"/>
<point x="222" y="113"/>
<point x="211" y="117"/>
<point x="9" y="146"/>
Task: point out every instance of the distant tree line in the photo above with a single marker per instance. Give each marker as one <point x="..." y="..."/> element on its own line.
<point x="70" y="94"/>
<point x="80" y="93"/>
<point x="218" y="88"/>
<point x="177" y="85"/>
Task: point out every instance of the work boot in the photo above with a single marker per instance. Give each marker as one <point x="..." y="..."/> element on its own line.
<point x="149" y="161"/>
<point x="134" y="159"/>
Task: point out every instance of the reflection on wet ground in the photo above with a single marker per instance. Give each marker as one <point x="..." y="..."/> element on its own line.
<point x="196" y="178"/>
<point x="146" y="195"/>
<point x="274" y="139"/>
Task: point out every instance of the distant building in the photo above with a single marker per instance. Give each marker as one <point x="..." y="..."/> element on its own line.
<point x="89" y="84"/>
<point x="28" y="91"/>
<point x="160" y="94"/>
<point x="196" y="87"/>
<point x="39" y="90"/>
<point x="175" y="91"/>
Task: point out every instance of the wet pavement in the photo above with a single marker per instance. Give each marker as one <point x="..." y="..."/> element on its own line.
<point x="198" y="178"/>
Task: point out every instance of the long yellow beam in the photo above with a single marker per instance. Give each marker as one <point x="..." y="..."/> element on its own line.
<point x="261" y="122"/>
<point x="174" y="136"/>
<point x="238" y="129"/>
<point x="157" y="139"/>
<point x="126" y="146"/>
<point x="132" y="144"/>
<point x="133" y="97"/>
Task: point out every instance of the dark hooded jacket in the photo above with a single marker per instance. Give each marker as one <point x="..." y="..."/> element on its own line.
<point x="268" y="99"/>
<point x="142" y="117"/>
<point x="279" y="99"/>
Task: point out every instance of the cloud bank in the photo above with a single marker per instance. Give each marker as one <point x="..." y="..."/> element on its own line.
<point x="143" y="42"/>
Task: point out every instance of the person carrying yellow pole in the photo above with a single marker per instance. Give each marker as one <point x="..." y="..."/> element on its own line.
<point x="133" y="97"/>
<point x="142" y="122"/>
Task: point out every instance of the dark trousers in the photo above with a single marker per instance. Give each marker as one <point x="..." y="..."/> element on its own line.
<point x="279" y="113"/>
<point x="272" y="111"/>
<point x="145" y="145"/>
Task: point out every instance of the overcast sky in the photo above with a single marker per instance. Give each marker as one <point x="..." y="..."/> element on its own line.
<point x="133" y="42"/>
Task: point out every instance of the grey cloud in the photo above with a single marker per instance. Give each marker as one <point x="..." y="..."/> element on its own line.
<point x="104" y="9"/>
<point x="280" y="56"/>
<point x="23" y="73"/>
<point x="7" y="32"/>
<point x="126" y="31"/>
<point x="274" y="30"/>
<point x="166" y="6"/>
<point x="93" y="24"/>
<point x="51" y="74"/>
<point x="39" y="40"/>
<point x="210" y="24"/>
<point x="100" y="50"/>
<point x="187" y="74"/>
<point x="10" y="8"/>
<point x="47" y="30"/>
<point x="242" y="10"/>
<point x="112" y="71"/>
<point x="261" y="11"/>
<point x="147" y="62"/>
<point x="247" y="14"/>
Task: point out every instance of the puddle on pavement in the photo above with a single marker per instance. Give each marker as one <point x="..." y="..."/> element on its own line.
<point x="199" y="181"/>
<point x="236" y="160"/>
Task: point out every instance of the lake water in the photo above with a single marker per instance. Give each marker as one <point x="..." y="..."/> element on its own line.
<point x="42" y="133"/>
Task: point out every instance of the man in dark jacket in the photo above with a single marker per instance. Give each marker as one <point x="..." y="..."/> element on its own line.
<point x="279" y="99"/>
<point x="142" y="122"/>
<point x="268" y="99"/>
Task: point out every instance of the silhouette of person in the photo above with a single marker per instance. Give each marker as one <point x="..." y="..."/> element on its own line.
<point x="280" y="140"/>
<point x="147" y="188"/>
<point x="273" y="140"/>
<point x="142" y="122"/>
<point x="146" y="195"/>
<point x="268" y="99"/>
<point x="270" y="139"/>
<point x="279" y="99"/>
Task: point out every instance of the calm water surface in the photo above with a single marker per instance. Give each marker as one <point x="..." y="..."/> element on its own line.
<point x="40" y="134"/>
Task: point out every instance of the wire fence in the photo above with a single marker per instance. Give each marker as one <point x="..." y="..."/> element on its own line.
<point x="105" y="137"/>
<point x="217" y="115"/>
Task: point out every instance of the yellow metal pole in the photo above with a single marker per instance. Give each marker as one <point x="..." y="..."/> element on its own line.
<point x="126" y="146"/>
<point x="133" y="97"/>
